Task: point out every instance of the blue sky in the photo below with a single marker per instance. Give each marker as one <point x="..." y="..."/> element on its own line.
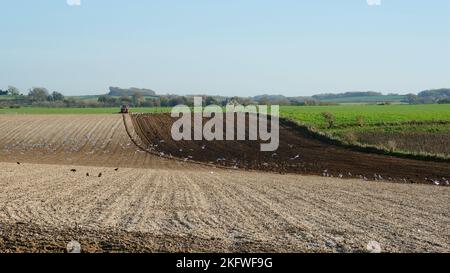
<point x="228" y="47"/>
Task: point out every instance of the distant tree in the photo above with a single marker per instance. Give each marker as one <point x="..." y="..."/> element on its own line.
<point x="156" y="102"/>
<point x="172" y="102"/>
<point x="102" y="99"/>
<point x="151" y="102"/>
<point x="125" y="100"/>
<point x="13" y="91"/>
<point x="164" y="101"/>
<point x="429" y="96"/>
<point x="38" y="94"/>
<point x="239" y="101"/>
<point x="435" y="94"/>
<point x="310" y="102"/>
<point x="245" y="101"/>
<point x="70" y="102"/>
<point x="3" y="93"/>
<point x="412" y="98"/>
<point x="444" y="101"/>
<point x="264" y="100"/>
<point x="56" y="96"/>
<point x="137" y="98"/>
<point x="108" y="100"/>
<point x="113" y="101"/>
<point x="211" y="101"/>
<point x="177" y="100"/>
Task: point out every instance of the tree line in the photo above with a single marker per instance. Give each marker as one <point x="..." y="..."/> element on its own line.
<point x="441" y="96"/>
<point x="35" y="96"/>
<point x="139" y="100"/>
<point x="42" y="97"/>
<point x="11" y="91"/>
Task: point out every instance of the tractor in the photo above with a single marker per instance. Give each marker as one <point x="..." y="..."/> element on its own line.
<point x="124" y="109"/>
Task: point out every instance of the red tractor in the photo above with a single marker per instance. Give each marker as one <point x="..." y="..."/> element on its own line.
<point x="124" y="109"/>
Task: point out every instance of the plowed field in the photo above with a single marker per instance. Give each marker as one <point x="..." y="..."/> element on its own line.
<point x="153" y="204"/>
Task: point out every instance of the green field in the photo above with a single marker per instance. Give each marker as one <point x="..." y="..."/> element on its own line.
<point x="348" y="115"/>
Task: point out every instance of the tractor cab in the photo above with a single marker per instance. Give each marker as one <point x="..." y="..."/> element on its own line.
<point x="124" y="109"/>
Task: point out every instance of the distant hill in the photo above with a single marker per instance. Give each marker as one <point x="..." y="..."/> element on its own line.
<point x="280" y="99"/>
<point x="120" y="92"/>
<point x="269" y="97"/>
<point x="359" y="97"/>
<point x="346" y="95"/>
<point x="430" y="96"/>
<point x="369" y="99"/>
<point x="435" y="94"/>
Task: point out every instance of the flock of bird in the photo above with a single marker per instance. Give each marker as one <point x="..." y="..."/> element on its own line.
<point x="87" y="174"/>
<point x="445" y="182"/>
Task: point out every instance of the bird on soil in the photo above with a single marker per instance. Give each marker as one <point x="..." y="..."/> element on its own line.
<point x="100" y="175"/>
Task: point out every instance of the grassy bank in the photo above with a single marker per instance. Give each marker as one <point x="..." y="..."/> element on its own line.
<point x="414" y="129"/>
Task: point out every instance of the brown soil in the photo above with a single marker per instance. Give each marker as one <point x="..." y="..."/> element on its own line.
<point x="29" y="238"/>
<point x="419" y="142"/>
<point x="43" y="207"/>
<point x="298" y="153"/>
